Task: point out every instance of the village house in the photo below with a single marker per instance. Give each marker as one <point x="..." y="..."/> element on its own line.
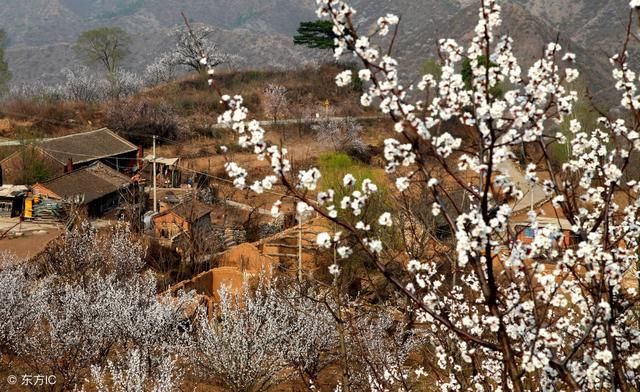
<point x="190" y="216"/>
<point x="56" y="156"/>
<point x="97" y="188"/>
<point x="12" y="199"/>
<point x="526" y="234"/>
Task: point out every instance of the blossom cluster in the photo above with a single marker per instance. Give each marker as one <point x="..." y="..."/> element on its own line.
<point x="533" y="310"/>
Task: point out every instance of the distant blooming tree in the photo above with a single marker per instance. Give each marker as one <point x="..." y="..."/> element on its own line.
<point x="258" y="339"/>
<point x="162" y="70"/>
<point x="557" y="310"/>
<point x="189" y="45"/>
<point x="36" y="89"/>
<point x="275" y="103"/>
<point x="341" y="134"/>
<point x="81" y="85"/>
<point x="124" y="83"/>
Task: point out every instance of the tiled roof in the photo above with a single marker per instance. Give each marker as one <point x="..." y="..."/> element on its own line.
<point x="91" y="182"/>
<point x="87" y="146"/>
<point x="190" y="210"/>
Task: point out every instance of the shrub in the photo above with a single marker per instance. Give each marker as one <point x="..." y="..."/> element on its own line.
<point x="343" y="134"/>
<point x="141" y="119"/>
<point x="81" y="85"/>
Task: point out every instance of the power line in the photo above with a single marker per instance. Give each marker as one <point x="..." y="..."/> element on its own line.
<point x="175" y="142"/>
<point x="180" y="167"/>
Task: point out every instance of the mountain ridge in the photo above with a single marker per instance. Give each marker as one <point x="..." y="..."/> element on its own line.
<point x="42" y="32"/>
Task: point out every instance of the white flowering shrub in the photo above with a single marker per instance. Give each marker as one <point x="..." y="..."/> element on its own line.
<point x="260" y="339"/>
<point x="22" y="302"/>
<point x="132" y="373"/>
<point x="81" y="85"/>
<point x="501" y="313"/>
<point x="84" y="250"/>
<point x="86" y="301"/>
<point x="161" y="70"/>
<point x="123" y="83"/>
<point x="36" y="89"/>
<point x="275" y="103"/>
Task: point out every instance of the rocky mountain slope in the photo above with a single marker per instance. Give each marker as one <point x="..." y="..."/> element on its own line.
<point x="42" y="32"/>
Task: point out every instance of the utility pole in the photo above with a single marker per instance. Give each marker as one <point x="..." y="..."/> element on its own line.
<point x="300" y="247"/>
<point x="531" y="191"/>
<point x="155" y="194"/>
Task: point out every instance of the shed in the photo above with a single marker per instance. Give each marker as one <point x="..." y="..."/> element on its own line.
<point x="97" y="187"/>
<point x="168" y="170"/>
<point x="12" y="199"/>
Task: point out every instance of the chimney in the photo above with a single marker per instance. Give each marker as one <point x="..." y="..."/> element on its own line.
<point x="69" y="167"/>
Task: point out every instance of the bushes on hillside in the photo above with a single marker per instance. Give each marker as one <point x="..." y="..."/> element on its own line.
<point x="84" y="303"/>
<point x="80" y="84"/>
<point x="140" y="119"/>
<point x="340" y="134"/>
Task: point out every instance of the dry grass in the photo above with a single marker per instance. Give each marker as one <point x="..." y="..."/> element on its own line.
<point x="193" y="102"/>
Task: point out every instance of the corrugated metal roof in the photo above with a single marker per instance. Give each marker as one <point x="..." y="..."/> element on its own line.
<point x="12" y="190"/>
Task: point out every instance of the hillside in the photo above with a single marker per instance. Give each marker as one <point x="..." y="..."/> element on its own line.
<point x="531" y="34"/>
<point x="48" y="28"/>
<point x="189" y="101"/>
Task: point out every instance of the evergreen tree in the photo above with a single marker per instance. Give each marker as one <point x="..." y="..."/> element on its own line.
<point x="316" y="34"/>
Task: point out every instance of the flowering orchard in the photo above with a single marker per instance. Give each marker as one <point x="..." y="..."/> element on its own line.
<point x="85" y="301"/>
<point x="503" y="314"/>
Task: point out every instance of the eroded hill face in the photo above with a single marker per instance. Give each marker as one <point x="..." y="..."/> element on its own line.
<point x="41" y="32"/>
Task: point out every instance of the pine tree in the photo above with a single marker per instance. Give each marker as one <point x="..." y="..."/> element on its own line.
<point x="316" y="34"/>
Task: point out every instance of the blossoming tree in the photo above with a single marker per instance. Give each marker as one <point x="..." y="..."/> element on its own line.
<point x="503" y="314"/>
<point x="83" y="301"/>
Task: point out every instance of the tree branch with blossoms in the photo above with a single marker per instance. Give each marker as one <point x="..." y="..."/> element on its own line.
<point x="555" y="311"/>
